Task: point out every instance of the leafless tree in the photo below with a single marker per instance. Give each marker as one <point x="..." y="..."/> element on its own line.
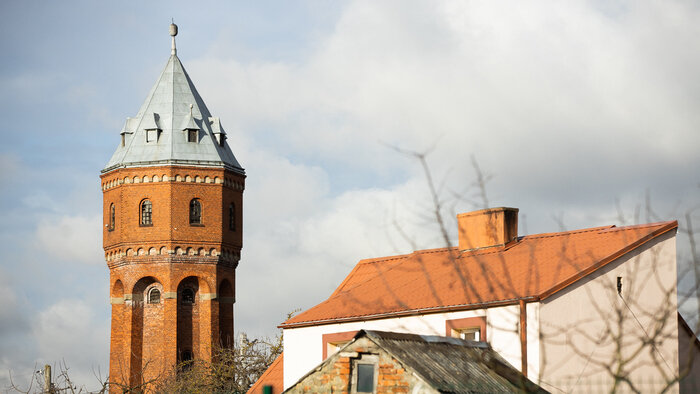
<point x="631" y="332"/>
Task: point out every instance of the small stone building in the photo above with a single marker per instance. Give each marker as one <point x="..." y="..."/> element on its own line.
<point x="388" y="362"/>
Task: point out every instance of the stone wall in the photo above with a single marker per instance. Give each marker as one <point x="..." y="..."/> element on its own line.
<point x="336" y="374"/>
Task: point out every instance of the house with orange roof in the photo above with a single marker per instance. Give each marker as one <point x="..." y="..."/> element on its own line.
<point x="574" y="311"/>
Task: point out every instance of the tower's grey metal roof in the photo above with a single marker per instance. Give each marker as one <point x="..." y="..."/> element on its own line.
<point x="171" y="108"/>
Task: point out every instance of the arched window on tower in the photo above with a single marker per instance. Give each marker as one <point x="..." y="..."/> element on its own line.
<point x="112" y="216"/>
<point x="232" y="217"/>
<point x="187" y="296"/>
<point x="195" y="211"/>
<point x="154" y="296"/>
<point x="146" y="213"/>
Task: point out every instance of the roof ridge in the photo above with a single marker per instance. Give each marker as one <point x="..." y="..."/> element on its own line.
<point x="568" y="232"/>
<point x="641" y="225"/>
<point x="401" y="256"/>
<point x="497" y="249"/>
<point x="172" y="104"/>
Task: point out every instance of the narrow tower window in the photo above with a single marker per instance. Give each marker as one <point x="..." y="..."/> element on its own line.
<point x="232" y="217"/>
<point x="195" y="212"/>
<point x="188" y="296"/>
<point x="154" y="296"/>
<point x="146" y="213"/>
<point x="112" y="215"/>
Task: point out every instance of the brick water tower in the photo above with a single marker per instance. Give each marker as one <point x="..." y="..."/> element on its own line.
<point x="172" y="202"/>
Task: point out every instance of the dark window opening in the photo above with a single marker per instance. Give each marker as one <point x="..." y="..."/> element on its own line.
<point x="192" y="135"/>
<point x="195" y="212"/>
<point x="146" y="213"/>
<point x="154" y="296"/>
<point x="188" y="296"/>
<point x="112" y="216"/>
<point x="232" y="217"/>
<point x="365" y="378"/>
<point x="186" y="360"/>
<point x="222" y="139"/>
<point x="619" y="285"/>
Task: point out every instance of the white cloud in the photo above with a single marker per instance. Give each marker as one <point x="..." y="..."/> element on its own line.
<point x="70" y="331"/>
<point x="569" y="106"/>
<point x="72" y="238"/>
<point x="560" y="79"/>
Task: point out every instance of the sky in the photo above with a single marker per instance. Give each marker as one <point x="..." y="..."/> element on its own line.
<point x="580" y="114"/>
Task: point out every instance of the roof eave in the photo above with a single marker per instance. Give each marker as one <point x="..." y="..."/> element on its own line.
<point x="175" y="162"/>
<point x="409" y="312"/>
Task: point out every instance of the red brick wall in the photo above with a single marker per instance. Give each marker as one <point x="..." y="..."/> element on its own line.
<point x="147" y="339"/>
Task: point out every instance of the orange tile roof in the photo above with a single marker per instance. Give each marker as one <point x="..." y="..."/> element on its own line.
<point x="273" y="376"/>
<point x="437" y="280"/>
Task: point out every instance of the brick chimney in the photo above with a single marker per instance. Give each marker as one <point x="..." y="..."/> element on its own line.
<point x="487" y="228"/>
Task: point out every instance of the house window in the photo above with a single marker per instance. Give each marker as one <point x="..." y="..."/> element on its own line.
<point x="154" y="296"/>
<point x="469" y="329"/>
<point x="333" y="347"/>
<point x="195" y="212"/>
<point x="146" y="213"/>
<point x="365" y="378"/>
<point x="364" y="374"/>
<point x="222" y="139"/>
<point x="469" y="334"/>
<point x="232" y="217"/>
<point x="188" y="296"/>
<point x="333" y="342"/>
<point x="192" y="135"/>
<point x="112" y="216"/>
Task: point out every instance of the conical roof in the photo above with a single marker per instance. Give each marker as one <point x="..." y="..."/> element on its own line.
<point x="173" y="127"/>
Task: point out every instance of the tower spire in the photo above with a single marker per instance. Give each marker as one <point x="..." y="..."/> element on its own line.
<point x="173" y="33"/>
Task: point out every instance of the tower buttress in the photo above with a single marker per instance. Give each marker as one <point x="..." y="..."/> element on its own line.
<point x="172" y="204"/>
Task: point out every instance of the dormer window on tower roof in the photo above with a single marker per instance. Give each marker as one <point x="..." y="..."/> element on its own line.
<point x="192" y="135"/>
<point x="152" y="127"/>
<point x="128" y="129"/>
<point x="218" y="131"/>
<point x="190" y="127"/>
